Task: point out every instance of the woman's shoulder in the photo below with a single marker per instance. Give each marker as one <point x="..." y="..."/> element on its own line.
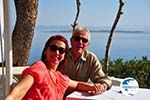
<point x="39" y="62"/>
<point x="38" y="65"/>
<point x="36" y="69"/>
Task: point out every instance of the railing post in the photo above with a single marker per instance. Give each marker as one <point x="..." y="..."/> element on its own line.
<point x="7" y="45"/>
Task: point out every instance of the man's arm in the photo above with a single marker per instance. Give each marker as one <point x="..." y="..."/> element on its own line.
<point x="87" y="87"/>
<point x="97" y="75"/>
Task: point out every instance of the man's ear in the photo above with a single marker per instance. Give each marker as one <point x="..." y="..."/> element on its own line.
<point x="71" y="39"/>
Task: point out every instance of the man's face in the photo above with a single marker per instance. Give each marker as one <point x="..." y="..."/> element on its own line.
<point x="80" y="42"/>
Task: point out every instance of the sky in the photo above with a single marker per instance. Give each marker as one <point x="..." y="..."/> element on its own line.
<point x="102" y="13"/>
<point x="136" y="13"/>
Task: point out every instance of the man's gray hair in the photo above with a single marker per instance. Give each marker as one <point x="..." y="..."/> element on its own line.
<point x="80" y="29"/>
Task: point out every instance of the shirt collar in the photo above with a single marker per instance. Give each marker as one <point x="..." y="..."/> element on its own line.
<point x="83" y="57"/>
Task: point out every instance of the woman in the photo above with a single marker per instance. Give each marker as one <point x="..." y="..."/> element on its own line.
<point x="41" y="81"/>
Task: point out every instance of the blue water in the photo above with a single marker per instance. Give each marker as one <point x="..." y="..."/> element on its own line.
<point x="125" y="44"/>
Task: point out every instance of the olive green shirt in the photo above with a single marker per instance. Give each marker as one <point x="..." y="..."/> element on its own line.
<point x="86" y="68"/>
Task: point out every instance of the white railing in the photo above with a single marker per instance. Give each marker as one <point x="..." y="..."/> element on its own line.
<point x="16" y="70"/>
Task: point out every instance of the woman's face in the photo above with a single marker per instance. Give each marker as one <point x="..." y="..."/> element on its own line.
<point x="55" y="52"/>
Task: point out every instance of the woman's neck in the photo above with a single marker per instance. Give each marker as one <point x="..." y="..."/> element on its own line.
<point x="51" y="67"/>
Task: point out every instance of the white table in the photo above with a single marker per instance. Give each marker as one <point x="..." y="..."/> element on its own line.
<point x="112" y="94"/>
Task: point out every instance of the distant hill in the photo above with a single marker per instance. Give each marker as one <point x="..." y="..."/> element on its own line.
<point x="92" y="29"/>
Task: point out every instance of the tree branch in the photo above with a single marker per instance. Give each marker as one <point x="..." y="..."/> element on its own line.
<point x="77" y="14"/>
<point x="106" y="60"/>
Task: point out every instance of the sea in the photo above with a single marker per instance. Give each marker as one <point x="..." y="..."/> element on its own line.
<point x="125" y="44"/>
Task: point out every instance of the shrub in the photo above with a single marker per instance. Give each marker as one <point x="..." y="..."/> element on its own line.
<point x="136" y="68"/>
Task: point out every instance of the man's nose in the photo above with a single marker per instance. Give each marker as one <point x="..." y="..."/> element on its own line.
<point x="57" y="52"/>
<point x="80" y="41"/>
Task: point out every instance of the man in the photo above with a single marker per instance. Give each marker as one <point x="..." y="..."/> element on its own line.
<point x="81" y="64"/>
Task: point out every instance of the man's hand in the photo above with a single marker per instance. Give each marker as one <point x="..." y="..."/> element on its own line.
<point x="98" y="88"/>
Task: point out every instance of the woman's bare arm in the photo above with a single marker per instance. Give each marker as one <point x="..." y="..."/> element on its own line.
<point x="21" y="88"/>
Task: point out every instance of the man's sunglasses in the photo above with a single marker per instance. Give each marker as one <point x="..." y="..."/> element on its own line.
<point x="55" y="48"/>
<point x="77" y="38"/>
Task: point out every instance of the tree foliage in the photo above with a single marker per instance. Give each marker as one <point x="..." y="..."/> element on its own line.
<point x="136" y="68"/>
